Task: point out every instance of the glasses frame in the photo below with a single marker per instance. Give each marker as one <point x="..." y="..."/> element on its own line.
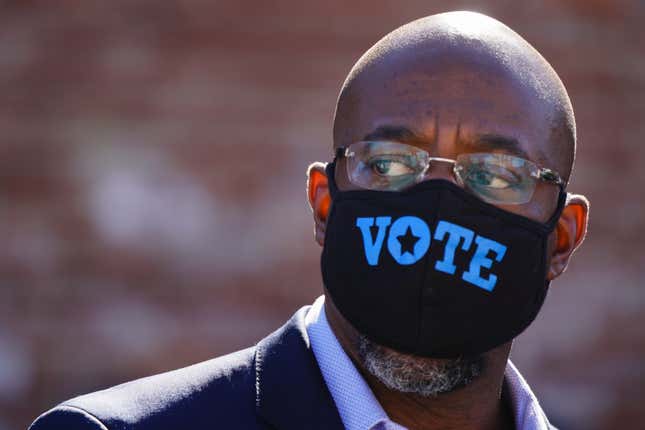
<point x="538" y="172"/>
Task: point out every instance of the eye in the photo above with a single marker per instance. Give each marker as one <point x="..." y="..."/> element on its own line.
<point x="390" y="165"/>
<point x="491" y="176"/>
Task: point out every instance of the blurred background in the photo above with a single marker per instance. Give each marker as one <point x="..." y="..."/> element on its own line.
<point x="152" y="188"/>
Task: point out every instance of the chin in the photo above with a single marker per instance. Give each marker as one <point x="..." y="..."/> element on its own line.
<point x="424" y="376"/>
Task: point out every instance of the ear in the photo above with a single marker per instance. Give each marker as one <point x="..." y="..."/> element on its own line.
<point x="319" y="198"/>
<point x="569" y="233"/>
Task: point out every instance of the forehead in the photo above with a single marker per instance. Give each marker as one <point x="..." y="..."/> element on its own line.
<point x="446" y="98"/>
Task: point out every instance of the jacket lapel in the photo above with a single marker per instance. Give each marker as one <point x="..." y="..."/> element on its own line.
<point x="290" y="390"/>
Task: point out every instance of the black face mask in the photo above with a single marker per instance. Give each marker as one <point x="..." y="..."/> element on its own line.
<point x="433" y="270"/>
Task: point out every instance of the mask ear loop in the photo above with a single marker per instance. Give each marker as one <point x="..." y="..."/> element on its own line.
<point x="330" y="170"/>
<point x="562" y="200"/>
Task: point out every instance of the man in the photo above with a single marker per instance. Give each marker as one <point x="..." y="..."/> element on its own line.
<point x="443" y="218"/>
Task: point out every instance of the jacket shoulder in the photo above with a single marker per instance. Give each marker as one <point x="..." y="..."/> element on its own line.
<point x="221" y="390"/>
<point x="67" y="417"/>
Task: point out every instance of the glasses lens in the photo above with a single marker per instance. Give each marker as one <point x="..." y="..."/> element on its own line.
<point x="497" y="178"/>
<point x="385" y="166"/>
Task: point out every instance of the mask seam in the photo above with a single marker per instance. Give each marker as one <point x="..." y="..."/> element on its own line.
<point x="421" y="305"/>
<point x="423" y="281"/>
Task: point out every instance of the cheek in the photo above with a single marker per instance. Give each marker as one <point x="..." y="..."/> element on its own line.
<point x="340" y="175"/>
<point x="538" y="212"/>
<point x="532" y="210"/>
<point x="541" y="207"/>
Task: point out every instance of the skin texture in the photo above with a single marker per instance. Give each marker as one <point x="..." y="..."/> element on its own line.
<point x="447" y="83"/>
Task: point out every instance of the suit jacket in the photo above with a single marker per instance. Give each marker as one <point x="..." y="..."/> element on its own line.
<point x="274" y="385"/>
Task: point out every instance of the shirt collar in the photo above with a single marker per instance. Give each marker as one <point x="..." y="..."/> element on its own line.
<point x="528" y="414"/>
<point x="358" y="407"/>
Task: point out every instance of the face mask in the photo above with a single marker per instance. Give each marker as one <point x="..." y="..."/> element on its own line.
<point x="433" y="270"/>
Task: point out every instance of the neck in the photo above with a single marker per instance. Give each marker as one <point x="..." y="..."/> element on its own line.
<point x="478" y="406"/>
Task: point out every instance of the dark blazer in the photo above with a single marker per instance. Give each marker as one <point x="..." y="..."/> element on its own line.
<point x="274" y="385"/>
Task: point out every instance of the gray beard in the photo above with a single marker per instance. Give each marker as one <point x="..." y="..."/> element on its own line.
<point x="408" y="373"/>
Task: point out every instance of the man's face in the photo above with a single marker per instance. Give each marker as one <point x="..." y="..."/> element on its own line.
<point x="450" y="102"/>
<point x="447" y="107"/>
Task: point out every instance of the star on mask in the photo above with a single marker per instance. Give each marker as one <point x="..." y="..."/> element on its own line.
<point x="407" y="241"/>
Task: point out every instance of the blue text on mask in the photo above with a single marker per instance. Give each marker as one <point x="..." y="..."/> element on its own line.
<point x="454" y="237"/>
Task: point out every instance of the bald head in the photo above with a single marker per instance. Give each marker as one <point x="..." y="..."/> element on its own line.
<point x="452" y="78"/>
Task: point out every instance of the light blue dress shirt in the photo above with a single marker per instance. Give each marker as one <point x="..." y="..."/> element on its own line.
<point x="358" y="407"/>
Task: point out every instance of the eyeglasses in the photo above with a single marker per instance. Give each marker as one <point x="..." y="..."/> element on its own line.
<point x="493" y="177"/>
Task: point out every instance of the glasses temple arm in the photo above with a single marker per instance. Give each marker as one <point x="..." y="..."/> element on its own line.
<point x="549" y="175"/>
<point x="340" y="152"/>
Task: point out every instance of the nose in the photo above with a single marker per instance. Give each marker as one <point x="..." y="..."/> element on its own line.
<point x="440" y="168"/>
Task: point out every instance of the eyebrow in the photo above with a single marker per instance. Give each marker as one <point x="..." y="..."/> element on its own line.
<point x="492" y="142"/>
<point x="481" y="142"/>
<point x="396" y="133"/>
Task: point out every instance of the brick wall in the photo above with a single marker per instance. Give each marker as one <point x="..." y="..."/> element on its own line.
<point x="152" y="205"/>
